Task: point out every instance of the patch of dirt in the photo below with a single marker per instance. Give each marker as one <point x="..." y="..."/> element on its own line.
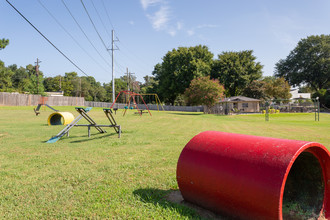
<point x="176" y="197"/>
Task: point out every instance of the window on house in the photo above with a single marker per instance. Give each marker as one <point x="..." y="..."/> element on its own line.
<point x="245" y="105"/>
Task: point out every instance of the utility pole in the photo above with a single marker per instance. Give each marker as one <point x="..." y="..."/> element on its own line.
<point x="113" y="69"/>
<point x="37" y="73"/>
<point x="129" y="80"/>
<point x="60" y="83"/>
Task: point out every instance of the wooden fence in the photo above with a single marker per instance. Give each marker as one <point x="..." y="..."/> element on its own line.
<point x="14" y="99"/>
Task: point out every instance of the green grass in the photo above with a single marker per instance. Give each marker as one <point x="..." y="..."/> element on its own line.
<point x="104" y="177"/>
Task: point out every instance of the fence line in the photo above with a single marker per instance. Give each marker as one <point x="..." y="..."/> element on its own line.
<point x="14" y="99"/>
<point x="150" y="106"/>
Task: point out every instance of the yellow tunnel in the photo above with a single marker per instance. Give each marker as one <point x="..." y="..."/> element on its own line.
<point x="60" y="118"/>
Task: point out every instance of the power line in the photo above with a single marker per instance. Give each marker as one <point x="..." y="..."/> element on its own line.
<point x="94" y="25"/>
<point x="107" y="14"/>
<point x="45" y="37"/>
<point x="85" y="34"/>
<point x="100" y="18"/>
<point x="67" y="32"/>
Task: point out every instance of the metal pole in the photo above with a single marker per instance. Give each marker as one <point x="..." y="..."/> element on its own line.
<point x="113" y="78"/>
<point x="318" y="109"/>
<point x="314" y="109"/>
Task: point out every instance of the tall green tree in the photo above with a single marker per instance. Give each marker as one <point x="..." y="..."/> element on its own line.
<point x="236" y="70"/>
<point x="256" y="89"/>
<point x="204" y="91"/>
<point x="179" y="67"/>
<point x="53" y="84"/>
<point x="277" y="88"/>
<point x="70" y="84"/>
<point x="149" y="85"/>
<point x="120" y="85"/>
<point x="3" y="43"/>
<point x="5" y="78"/>
<point x="268" y="88"/>
<point x="307" y="63"/>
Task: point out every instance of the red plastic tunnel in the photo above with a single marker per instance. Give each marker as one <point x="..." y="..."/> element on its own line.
<point x="251" y="177"/>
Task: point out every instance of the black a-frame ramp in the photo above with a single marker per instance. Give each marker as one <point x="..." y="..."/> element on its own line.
<point x="92" y="123"/>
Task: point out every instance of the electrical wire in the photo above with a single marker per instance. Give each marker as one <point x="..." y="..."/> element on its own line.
<point x="67" y="8"/>
<point x="46" y="38"/>
<point x="94" y="26"/>
<point x="67" y="32"/>
<point x="106" y="30"/>
<point x="107" y="14"/>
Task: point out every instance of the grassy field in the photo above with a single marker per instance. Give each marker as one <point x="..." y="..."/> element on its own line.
<point x="103" y="177"/>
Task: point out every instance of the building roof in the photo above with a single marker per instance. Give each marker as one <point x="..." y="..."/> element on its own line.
<point x="239" y="99"/>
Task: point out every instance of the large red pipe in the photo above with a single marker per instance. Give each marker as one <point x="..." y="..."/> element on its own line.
<point x="244" y="176"/>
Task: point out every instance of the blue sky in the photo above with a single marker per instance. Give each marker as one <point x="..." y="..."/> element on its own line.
<point x="148" y="29"/>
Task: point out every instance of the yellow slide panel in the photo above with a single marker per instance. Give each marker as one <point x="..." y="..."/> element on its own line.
<point x="60" y="118"/>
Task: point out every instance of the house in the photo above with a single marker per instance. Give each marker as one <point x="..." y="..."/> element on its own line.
<point x="59" y="93"/>
<point x="296" y="95"/>
<point x="238" y="104"/>
<point x="242" y="104"/>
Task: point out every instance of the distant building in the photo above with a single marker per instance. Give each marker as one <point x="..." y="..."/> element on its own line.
<point x="296" y="95"/>
<point x="235" y="104"/>
<point x="60" y="93"/>
<point x="242" y="103"/>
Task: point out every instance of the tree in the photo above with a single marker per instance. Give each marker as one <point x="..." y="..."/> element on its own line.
<point x="236" y="70"/>
<point x="5" y="78"/>
<point x="277" y="88"/>
<point x="179" y="67"/>
<point x="3" y="43"/>
<point x="149" y="85"/>
<point x="256" y="89"/>
<point x="53" y="84"/>
<point x="307" y="63"/>
<point x="204" y="91"/>
<point x="268" y="88"/>
<point x="70" y="84"/>
<point x="120" y="85"/>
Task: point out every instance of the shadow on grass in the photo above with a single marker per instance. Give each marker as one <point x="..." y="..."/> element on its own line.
<point x="195" y="114"/>
<point x="94" y="137"/>
<point x="172" y="199"/>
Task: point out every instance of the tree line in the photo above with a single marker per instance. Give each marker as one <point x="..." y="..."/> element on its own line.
<point x="191" y="75"/>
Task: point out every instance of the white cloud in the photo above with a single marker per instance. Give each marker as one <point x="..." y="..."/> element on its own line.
<point x="285" y="28"/>
<point x="179" y="25"/>
<point x="172" y="32"/>
<point x="147" y="3"/>
<point x="160" y="18"/>
<point x="193" y="30"/>
<point x="131" y="22"/>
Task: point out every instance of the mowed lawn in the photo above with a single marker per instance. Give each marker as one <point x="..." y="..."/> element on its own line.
<point x="104" y="177"/>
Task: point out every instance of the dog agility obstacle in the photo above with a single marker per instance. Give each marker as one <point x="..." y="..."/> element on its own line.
<point x="250" y="177"/>
<point x="83" y="114"/>
<point x="42" y="102"/>
<point x="60" y="118"/>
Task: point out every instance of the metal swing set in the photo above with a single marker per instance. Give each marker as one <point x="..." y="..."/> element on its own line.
<point x="132" y="99"/>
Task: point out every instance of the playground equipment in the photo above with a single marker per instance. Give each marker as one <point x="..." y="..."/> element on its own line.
<point x="83" y="114"/>
<point x="42" y="102"/>
<point x="250" y="177"/>
<point x="157" y="100"/>
<point x="132" y="96"/>
<point x="60" y="118"/>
